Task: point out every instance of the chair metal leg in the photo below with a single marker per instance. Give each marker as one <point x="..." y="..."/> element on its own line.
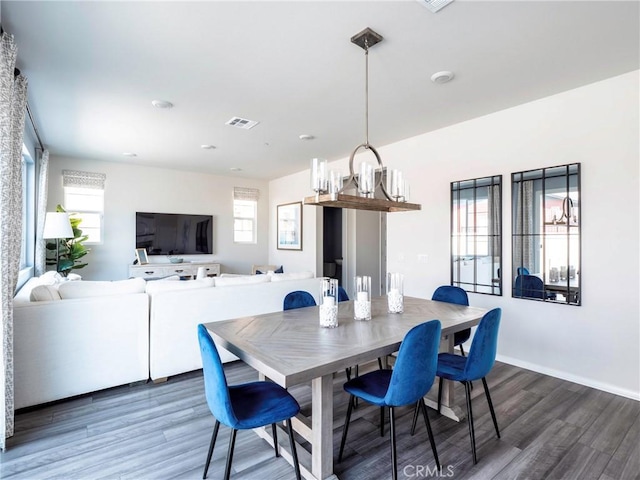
<point x="274" y="432"/>
<point x="294" y="453"/>
<point x="440" y="394"/>
<point x="493" y="413"/>
<point x="461" y="350"/>
<point x="232" y="443"/>
<point x="472" y="435"/>
<point x="380" y="363"/>
<point x="382" y="421"/>
<point x="347" y="372"/>
<point x="415" y="418"/>
<point x="346" y="427"/>
<point x="394" y="458"/>
<point x="429" y="431"/>
<point x="211" y="445"/>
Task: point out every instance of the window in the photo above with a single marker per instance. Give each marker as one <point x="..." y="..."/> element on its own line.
<point x="28" y="210"/>
<point x="245" y="215"/>
<point x="84" y="196"/>
<point x="476" y="235"/>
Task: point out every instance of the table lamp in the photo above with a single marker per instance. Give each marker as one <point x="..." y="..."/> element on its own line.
<point x="57" y="225"/>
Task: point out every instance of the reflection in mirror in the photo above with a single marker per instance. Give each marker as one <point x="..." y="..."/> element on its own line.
<point x="546" y="234"/>
<point x="476" y="235"/>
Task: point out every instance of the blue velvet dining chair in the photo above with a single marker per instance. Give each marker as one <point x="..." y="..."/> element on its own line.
<point x="243" y="407"/>
<point x="475" y="366"/>
<point x="298" y="299"/>
<point x="342" y="295"/>
<point x="451" y="294"/>
<point x="408" y="382"/>
<point x="522" y="271"/>
<point x="529" y="286"/>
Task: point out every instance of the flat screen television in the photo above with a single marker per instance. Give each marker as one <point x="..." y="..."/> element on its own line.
<point x="174" y="234"/>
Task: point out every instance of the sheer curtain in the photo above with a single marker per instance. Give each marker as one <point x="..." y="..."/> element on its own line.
<point x="13" y="101"/>
<point x="523" y="240"/>
<point x="41" y="212"/>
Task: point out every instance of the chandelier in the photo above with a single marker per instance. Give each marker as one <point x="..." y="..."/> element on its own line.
<point x="329" y="186"/>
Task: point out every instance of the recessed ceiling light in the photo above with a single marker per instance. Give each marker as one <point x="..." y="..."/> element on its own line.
<point x="162" y="104"/>
<point x="442" y="77"/>
<point x="306" y="136"/>
<point x="207" y="147"/>
<point x="235" y="169"/>
<point x="129" y="154"/>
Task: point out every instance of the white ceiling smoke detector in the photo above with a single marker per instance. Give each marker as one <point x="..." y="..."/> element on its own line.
<point x="434" y="5"/>
<point x="129" y="154"/>
<point x="442" y="77"/>
<point x="207" y="147"/>
<point x="242" y="123"/>
<point x="306" y="136"/>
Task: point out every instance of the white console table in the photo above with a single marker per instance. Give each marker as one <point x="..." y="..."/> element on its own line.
<point x="184" y="270"/>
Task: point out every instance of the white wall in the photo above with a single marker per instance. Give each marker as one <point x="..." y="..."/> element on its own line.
<point x="596" y="344"/>
<point x="135" y="188"/>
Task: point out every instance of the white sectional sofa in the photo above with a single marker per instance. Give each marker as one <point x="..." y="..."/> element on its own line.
<point x="97" y="335"/>
<point x="73" y="346"/>
<point x="176" y="313"/>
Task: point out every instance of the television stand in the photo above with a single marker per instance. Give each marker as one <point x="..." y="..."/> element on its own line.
<point x="185" y="270"/>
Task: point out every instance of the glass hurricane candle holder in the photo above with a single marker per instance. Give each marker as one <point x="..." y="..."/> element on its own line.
<point x="366" y="180"/>
<point x="395" y="297"/>
<point x="329" y="303"/>
<point x="319" y="175"/>
<point x="335" y="181"/>
<point x="362" y="301"/>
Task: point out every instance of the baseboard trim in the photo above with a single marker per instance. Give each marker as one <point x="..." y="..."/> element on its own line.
<point x="587" y="382"/>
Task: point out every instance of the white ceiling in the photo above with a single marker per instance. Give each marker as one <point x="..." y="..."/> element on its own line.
<point x="94" y="68"/>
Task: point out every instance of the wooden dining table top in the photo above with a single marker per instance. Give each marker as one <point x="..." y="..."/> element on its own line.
<point x="290" y="347"/>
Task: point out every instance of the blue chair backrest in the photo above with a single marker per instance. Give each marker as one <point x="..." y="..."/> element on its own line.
<point x="451" y="294"/>
<point x="342" y="295"/>
<point x="522" y="271"/>
<point x="215" y="381"/>
<point x="416" y="364"/>
<point x="298" y="299"/>
<point x="529" y="286"/>
<point x="482" y="354"/>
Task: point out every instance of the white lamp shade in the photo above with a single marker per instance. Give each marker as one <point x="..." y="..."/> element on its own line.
<point x="57" y="225"/>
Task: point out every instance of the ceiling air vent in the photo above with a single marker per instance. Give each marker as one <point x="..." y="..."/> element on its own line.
<point x="434" y="5"/>
<point x="241" y="123"/>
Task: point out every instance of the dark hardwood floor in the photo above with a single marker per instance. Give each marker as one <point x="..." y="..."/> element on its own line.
<point x="551" y="429"/>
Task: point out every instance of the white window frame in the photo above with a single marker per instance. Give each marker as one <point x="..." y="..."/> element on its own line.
<point x="78" y="186"/>
<point x="246" y="197"/>
<point x="27" y="250"/>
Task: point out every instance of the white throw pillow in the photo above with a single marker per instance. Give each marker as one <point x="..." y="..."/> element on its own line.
<point x="43" y="293"/>
<point x="159" y="287"/>
<point x="283" y="277"/>
<point x="84" y="289"/>
<point x="243" y="280"/>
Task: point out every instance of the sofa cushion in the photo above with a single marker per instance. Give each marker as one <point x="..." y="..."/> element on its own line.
<point x="283" y="277"/>
<point x="85" y="289"/>
<point x="163" y="286"/>
<point x="244" y="280"/>
<point x="43" y="293"/>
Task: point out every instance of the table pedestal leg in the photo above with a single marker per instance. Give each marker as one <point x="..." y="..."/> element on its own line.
<point x="322" y="427"/>
<point x="449" y="407"/>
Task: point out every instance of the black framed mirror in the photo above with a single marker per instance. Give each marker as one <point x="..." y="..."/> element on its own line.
<point x="546" y="217"/>
<point x="476" y="235"/>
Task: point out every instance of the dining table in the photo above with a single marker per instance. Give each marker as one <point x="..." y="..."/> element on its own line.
<point x="291" y="348"/>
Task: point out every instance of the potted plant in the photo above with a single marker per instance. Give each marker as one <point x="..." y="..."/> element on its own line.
<point x="71" y="249"/>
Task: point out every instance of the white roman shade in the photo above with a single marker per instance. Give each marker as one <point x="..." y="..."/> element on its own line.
<point x="76" y="178"/>
<point x="244" y="193"/>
